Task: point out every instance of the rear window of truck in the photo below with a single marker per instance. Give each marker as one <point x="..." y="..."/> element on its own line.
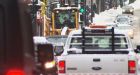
<point x="99" y="42"/>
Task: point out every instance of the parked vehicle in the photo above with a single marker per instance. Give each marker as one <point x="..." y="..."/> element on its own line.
<point x="128" y="10"/>
<point x="44" y="55"/>
<point x="124" y="23"/>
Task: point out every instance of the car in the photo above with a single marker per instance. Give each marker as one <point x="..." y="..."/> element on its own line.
<point x="91" y="51"/>
<point x="58" y="43"/>
<point x="44" y="56"/>
<point x="128" y="10"/>
<point x="124" y="24"/>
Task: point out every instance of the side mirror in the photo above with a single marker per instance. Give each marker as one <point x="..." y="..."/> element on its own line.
<point x="58" y="50"/>
<point x="137" y="50"/>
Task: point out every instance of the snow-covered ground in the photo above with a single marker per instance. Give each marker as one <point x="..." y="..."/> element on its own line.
<point x="136" y="4"/>
<point x="108" y="16"/>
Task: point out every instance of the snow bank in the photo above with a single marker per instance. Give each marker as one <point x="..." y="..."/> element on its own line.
<point x="108" y="16"/>
<point x="136" y="4"/>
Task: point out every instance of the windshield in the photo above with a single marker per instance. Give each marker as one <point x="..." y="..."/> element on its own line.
<point x="57" y="39"/>
<point x="65" y="18"/>
<point x="123" y="20"/>
<point x="99" y="42"/>
<point x="127" y="7"/>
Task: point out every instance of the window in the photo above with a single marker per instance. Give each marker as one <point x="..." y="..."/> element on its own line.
<point x="99" y="42"/>
<point x="123" y="20"/>
<point x="64" y="18"/>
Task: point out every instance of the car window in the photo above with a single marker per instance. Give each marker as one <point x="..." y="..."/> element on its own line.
<point x="123" y="20"/>
<point x="99" y="42"/>
<point x="64" y="19"/>
<point x="57" y="39"/>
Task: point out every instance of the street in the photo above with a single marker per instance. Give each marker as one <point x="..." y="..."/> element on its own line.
<point x="137" y="32"/>
<point x="137" y="23"/>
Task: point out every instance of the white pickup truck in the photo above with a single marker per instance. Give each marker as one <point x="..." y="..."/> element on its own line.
<point x="97" y="51"/>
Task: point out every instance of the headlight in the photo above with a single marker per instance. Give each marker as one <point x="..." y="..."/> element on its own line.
<point x="123" y="10"/>
<point x="131" y="10"/>
<point x="130" y="33"/>
<point x="49" y="64"/>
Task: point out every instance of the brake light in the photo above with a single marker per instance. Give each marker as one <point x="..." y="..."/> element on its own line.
<point x="131" y="66"/>
<point x="61" y="65"/>
<point x="15" y="72"/>
<point x="98" y="26"/>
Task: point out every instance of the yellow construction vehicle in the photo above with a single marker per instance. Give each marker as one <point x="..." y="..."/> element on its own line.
<point x="64" y="19"/>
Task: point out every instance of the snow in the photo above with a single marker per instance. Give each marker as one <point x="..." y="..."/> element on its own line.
<point x="39" y="40"/>
<point x="136" y="5"/>
<point x="107" y="16"/>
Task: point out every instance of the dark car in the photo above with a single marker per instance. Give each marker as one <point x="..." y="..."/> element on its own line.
<point x="128" y="10"/>
<point x="44" y="53"/>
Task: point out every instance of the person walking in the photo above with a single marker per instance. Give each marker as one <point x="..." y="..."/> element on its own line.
<point x="94" y="8"/>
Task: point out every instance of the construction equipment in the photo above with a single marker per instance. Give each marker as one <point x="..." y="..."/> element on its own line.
<point x="45" y="19"/>
<point x="63" y="17"/>
<point x="42" y="20"/>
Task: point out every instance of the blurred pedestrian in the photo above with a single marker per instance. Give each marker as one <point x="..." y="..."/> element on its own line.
<point x="107" y="5"/>
<point x="93" y="11"/>
<point x="94" y="7"/>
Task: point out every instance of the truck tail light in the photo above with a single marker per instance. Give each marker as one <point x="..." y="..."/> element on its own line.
<point x="131" y="66"/>
<point x="15" y="72"/>
<point x="61" y="66"/>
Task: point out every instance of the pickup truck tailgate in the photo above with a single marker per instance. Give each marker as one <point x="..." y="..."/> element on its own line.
<point x="97" y="63"/>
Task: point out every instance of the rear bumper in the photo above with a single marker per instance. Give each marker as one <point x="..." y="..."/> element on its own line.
<point x="127" y="12"/>
<point x="97" y="74"/>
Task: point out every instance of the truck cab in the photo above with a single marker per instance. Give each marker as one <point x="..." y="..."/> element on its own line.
<point x="97" y="50"/>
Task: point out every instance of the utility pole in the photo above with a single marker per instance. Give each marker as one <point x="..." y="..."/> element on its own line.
<point x="85" y="14"/>
<point x="44" y="16"/>
<point x="91" y="11"/>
